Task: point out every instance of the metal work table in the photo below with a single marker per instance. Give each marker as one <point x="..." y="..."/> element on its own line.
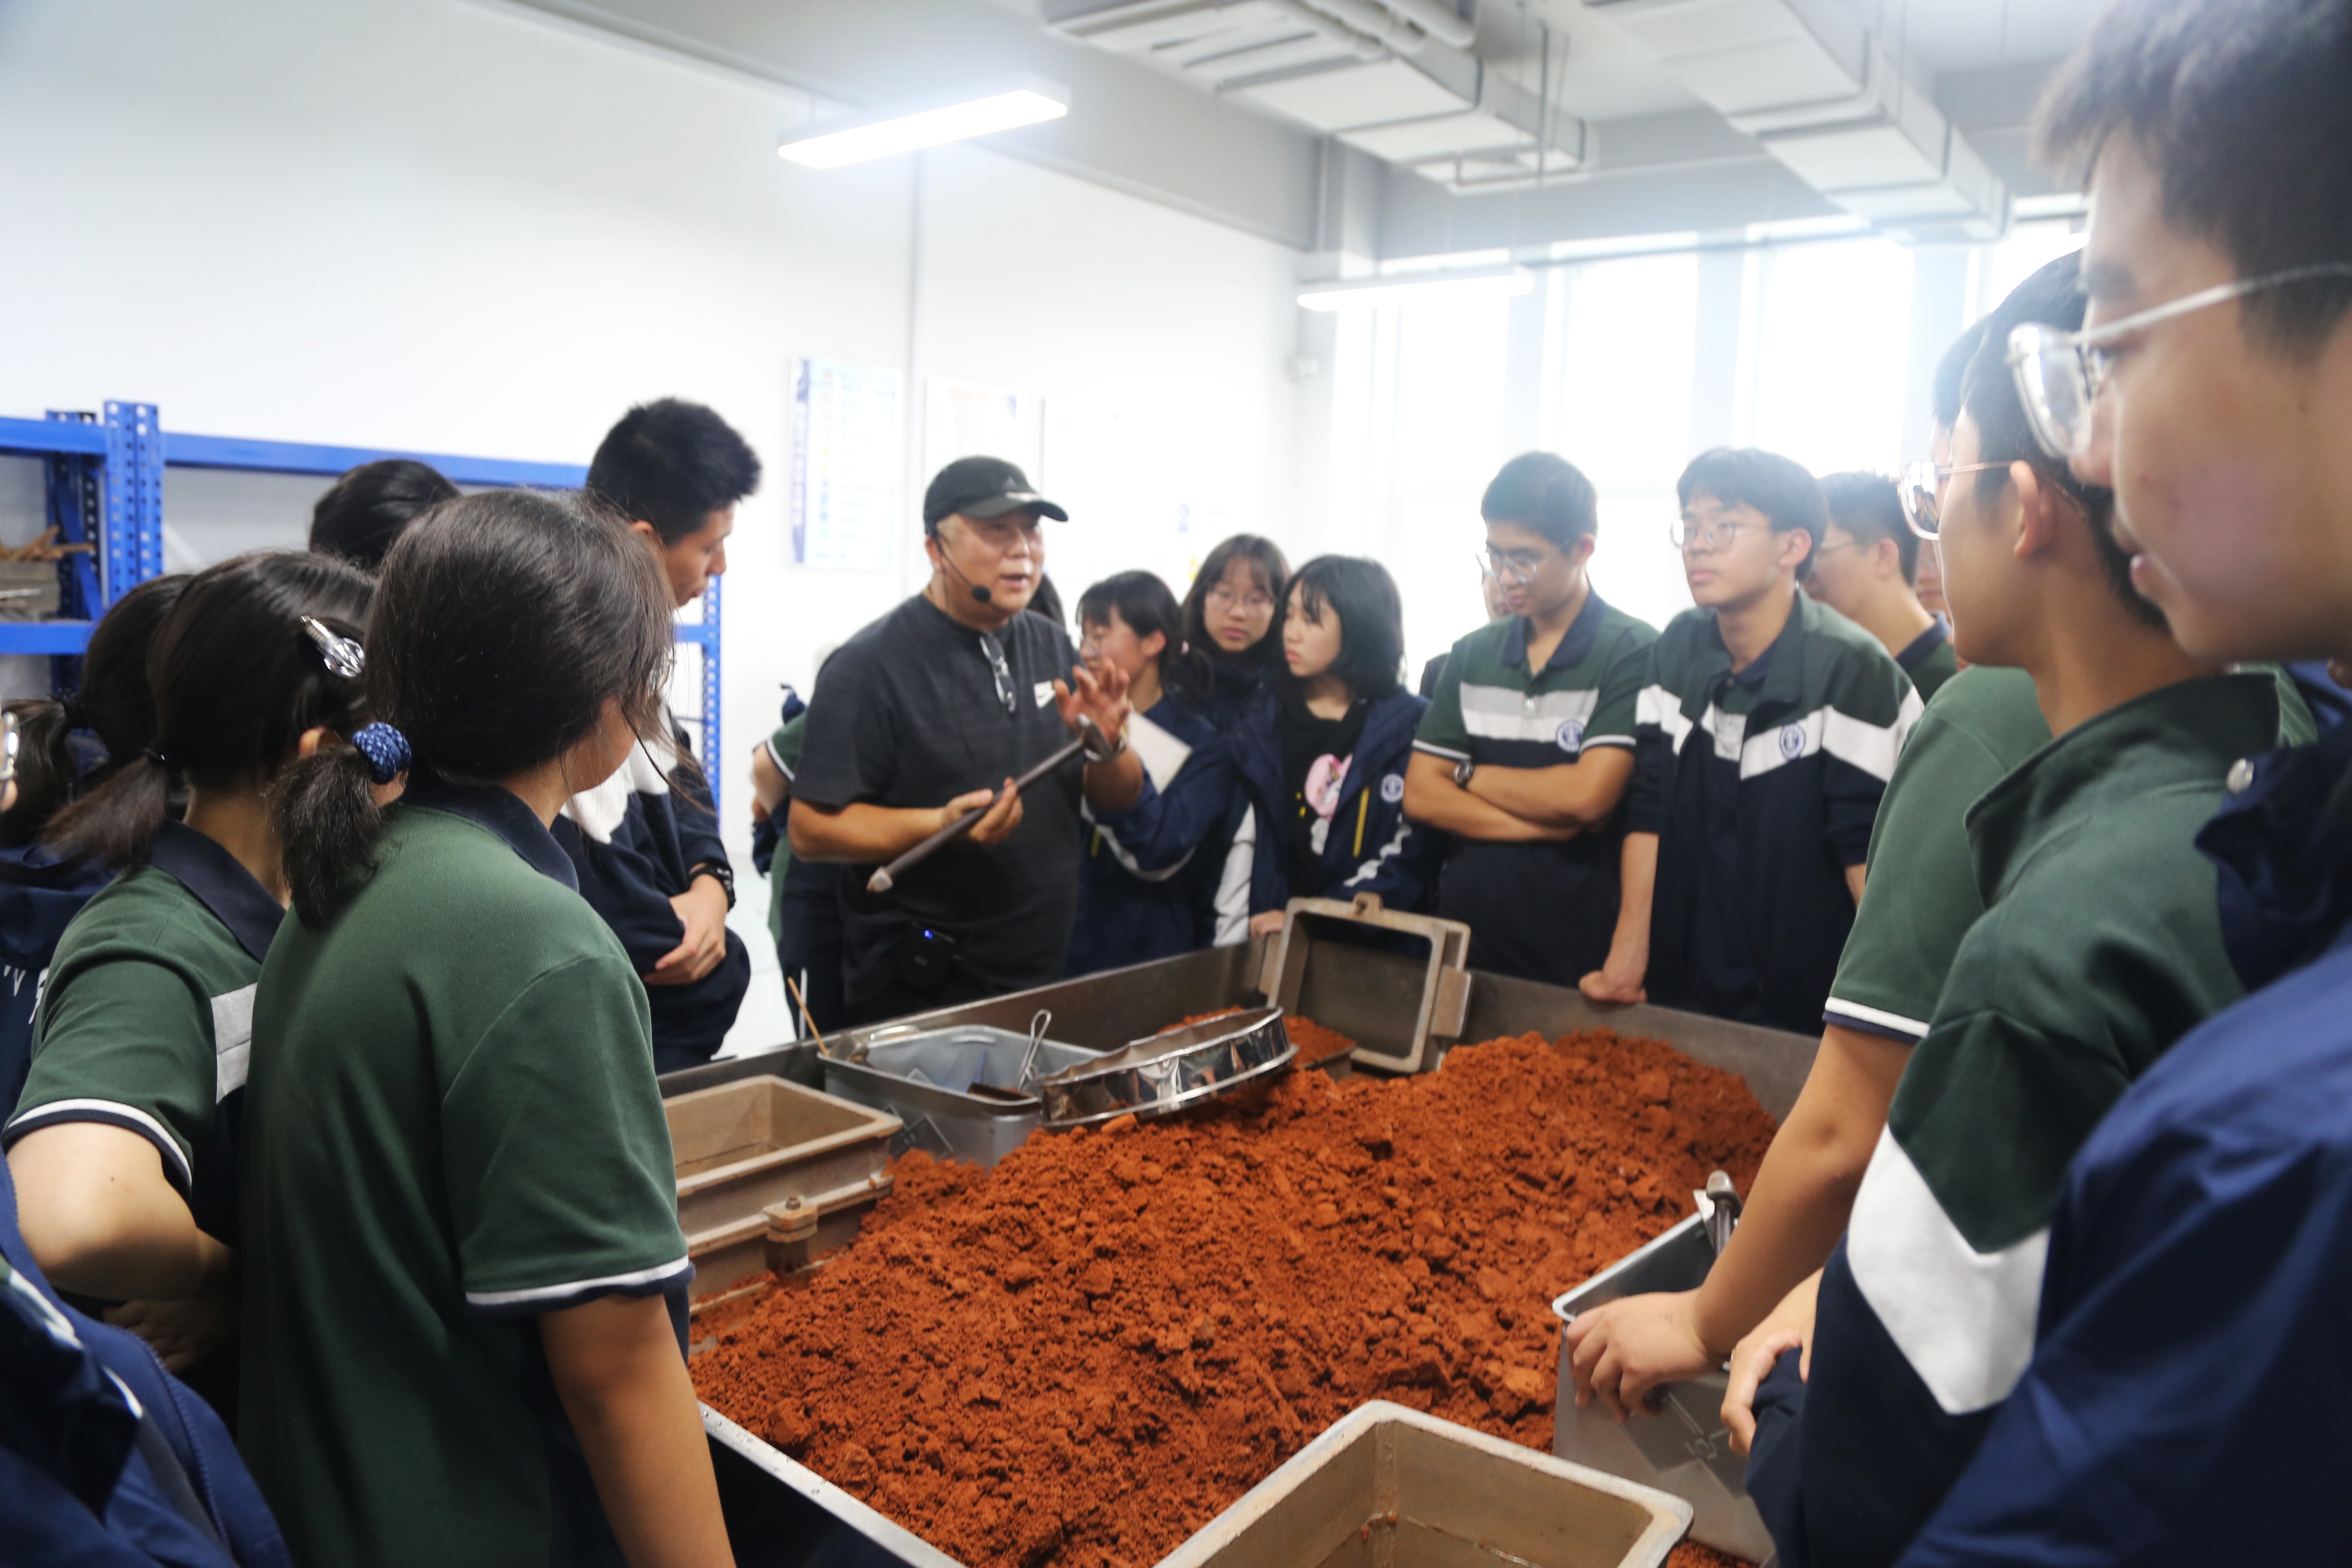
<point x="781" y="1514"/>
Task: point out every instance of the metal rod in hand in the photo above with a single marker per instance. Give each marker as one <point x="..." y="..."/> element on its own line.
<point x="1090" y="741"/>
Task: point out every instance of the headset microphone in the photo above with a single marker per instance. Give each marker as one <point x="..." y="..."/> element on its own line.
<point x="979" y="593"/>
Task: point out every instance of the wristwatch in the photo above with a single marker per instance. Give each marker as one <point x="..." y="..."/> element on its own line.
<point x="717" y="872"/>
<point x="1461" y="772"/>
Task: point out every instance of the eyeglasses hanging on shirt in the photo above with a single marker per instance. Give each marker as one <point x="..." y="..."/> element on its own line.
<point x="1001" y="671"/>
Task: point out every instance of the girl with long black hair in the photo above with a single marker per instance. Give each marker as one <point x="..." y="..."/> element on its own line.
<point x="1321" y="759"/>
<point x="1231" y="616"/>
<point x="66" y="747"/>
<point x="462" y="1248"/>
<point x="1149" y="871"/>
<point x="124" y="1146"/>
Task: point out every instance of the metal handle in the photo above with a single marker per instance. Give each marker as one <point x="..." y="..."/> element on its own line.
<point x="1090" y="741"/>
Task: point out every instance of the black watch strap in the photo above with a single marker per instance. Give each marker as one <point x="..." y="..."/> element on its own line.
<point x="718" y="872"/>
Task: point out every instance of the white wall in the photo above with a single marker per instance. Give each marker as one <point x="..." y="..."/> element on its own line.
<point x="450" y="226"/>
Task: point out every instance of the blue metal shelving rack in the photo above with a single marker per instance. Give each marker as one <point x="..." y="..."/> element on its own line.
<point x="105" y="485"/>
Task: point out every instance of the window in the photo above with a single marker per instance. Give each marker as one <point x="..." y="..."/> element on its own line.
<point x="1831" y="353"/>
<point x="1623" y="380"/>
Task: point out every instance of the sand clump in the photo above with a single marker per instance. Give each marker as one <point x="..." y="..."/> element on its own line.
<point x="1083" y="1356"/>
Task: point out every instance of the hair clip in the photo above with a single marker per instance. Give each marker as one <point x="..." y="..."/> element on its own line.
<point x="340" y="655"/>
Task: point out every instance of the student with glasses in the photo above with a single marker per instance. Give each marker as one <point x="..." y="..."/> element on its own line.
<point x="1765" y="733"/>
<point x="1525" y="752"/>
<point x="2185" y="1397"/>
<point x="2100" y="946"/>
<point x="1866" y="570"/>
<point x="932" y="711"/>
<point x="1919" y="902"/>
<point x="1231" y="616"/>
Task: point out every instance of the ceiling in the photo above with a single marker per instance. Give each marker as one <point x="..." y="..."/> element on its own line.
<point x="1646" y="149"/>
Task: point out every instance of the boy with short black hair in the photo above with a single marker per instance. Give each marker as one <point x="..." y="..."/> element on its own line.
<point x="1766" y="734"/>
<point x="647" y="842"/>
<point x="1866" y="569"/>
<point x="366" y="510"/>
<point x="2099" y="947"/>
<point x="1525" y="752"/>
<point x="2184" y="1403"/>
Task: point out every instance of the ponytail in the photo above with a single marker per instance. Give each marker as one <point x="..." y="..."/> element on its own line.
<point x="114" y="822"/>
<point x="113" y="714"/>
<point x="326" y="803"/>
<point x="240" y="668"/>
<point x="504" y="626"/>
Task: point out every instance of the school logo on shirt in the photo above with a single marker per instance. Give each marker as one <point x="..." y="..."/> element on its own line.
<point x="1571" y="734"/>
<point x="1792" y="741"/>
<point x="1392" y="788"/>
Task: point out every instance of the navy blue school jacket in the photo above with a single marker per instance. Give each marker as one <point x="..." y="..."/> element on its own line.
<point x="106" y="1460"/>
<point x="634" y="838"/>
<point x="1234" y="692"/>
<point x="1144" y="882"/>
<point x="40" y="893"/>
<point x="1371" y="847"/>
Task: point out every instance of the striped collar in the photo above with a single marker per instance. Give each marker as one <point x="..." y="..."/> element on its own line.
<point x="1575" y="644"/>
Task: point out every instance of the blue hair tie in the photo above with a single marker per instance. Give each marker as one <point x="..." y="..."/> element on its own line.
<point x="385" y="749"/>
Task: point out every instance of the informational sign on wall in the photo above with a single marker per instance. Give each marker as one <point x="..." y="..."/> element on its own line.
<point x="845" y="465"/>
<point x="965" y="419"/>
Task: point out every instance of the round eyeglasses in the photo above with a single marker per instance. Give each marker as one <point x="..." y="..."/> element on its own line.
<point x="2060" y="374"/>
<point x="1516" y="571"/>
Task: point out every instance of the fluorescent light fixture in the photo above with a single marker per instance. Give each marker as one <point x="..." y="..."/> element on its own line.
<point x="829" y="144"/>
<point x="1461" y="283"/>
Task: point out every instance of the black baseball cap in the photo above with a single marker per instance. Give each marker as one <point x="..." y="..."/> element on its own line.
<point x="983" y="486"/>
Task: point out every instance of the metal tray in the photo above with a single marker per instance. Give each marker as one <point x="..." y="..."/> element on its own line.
<point x="781" y="1514"/>
<point x="1108" y="1010"/>
<point x="1402" y="1011"/>
<point x="772" y="1176"/>
<point x="1683" y="1448"/>
<point x="1170" y="1070"/>
<point x="942" y="1114"/>
<point x="1388" y="1486"/>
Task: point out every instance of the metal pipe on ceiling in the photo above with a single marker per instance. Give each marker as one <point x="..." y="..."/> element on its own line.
<point x="1375" y="22"/>
<point x="1366" y="49"/>
<point x="1438" y="19"/>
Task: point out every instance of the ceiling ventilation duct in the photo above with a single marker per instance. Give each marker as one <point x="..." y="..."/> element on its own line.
<point x="1395" y="78"/>
<point x="1827" y="99"/>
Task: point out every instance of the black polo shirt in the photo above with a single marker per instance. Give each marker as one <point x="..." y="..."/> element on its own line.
<point x="909" y="714"/>
<point x="1545" y="912"/>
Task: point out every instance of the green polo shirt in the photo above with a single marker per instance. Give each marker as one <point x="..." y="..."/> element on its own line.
<point x="1920" y="897"/>
<point x="452" y="1126"/>
<point x="2101" y="944"/>
<point x="146" y="1017"/>
<point x="1545" y="912"/>
<point x="784" y="751"/>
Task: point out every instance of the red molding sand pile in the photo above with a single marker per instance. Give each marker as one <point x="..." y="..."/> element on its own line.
<point x="1083" y="1356"/>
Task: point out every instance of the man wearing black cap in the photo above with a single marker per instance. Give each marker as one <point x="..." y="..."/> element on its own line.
<point x="931" y="711"/>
